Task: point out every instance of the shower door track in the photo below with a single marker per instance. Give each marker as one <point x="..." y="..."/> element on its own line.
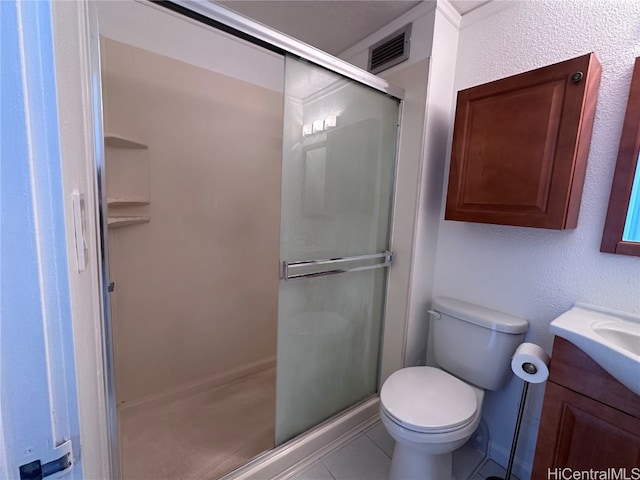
<point x="299" y="452"/>
<point x="231" y="22"/>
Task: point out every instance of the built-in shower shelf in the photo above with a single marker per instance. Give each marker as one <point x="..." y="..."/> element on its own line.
<point x="126" y="202"/>
<point x="119" y="141"/>
<point x="117" y="222"/>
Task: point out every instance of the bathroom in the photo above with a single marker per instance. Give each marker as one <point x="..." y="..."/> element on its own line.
<point x="534" y="274"/>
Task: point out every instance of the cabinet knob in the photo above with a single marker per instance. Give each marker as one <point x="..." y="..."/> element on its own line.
<point x="576" y="77"/>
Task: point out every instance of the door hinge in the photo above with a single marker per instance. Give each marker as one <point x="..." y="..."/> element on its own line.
<point x="58" y="463"/>
<point x="111" y="287"/>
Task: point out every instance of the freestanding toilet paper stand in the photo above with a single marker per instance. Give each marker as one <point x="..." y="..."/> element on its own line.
<point x="528" y="372"/>
<point x="531" y="369"/>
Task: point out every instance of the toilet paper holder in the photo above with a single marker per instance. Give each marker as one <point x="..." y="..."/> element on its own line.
<point x="539" y="361"/>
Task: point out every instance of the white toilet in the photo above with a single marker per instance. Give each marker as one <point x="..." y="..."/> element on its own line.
<point x="432" y="411"/>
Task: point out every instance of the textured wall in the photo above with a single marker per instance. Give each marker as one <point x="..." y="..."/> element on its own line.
<point x="535" y="273"/>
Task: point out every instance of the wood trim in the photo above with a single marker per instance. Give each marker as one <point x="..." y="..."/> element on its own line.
<point x="623" y="175"/>
<point x="585" y="131"/>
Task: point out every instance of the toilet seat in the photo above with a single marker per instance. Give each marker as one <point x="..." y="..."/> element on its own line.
<point x="428" y="400"/>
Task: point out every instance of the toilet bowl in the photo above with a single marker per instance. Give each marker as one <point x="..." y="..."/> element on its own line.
<point x="432" y="411"/>
<point x="429" y="413"/>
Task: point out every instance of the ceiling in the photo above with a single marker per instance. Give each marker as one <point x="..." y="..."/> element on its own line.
<point x="331" y="25"/>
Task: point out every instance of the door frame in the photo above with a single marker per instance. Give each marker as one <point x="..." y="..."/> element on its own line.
<point x="75" y="56"/>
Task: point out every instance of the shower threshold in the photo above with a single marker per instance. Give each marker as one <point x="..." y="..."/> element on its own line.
<point x="303" y="450"/>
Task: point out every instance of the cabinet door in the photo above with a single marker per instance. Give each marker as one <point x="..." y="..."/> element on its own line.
<point x="520" y="146"/>
<point x="579" y="433"/>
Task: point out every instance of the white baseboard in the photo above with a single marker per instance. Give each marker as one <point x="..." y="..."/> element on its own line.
<point x="295" y="455"/>
<point x="194" y="388"/>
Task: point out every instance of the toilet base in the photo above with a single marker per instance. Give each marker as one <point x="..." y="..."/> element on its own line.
<point x="409" y="463"/>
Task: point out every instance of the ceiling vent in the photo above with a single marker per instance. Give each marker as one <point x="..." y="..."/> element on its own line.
<point x="390" y="51"/>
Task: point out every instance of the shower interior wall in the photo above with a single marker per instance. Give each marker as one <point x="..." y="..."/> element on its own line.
<point x="196" y="288"/>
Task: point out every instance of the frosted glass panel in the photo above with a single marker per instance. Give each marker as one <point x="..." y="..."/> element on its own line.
<point x="337" y="187"/>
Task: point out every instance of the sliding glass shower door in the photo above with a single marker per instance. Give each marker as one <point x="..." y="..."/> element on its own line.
<point x="337" y="186"/>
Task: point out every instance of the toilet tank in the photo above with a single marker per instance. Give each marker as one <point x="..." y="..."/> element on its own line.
<point x="475" y="343"/>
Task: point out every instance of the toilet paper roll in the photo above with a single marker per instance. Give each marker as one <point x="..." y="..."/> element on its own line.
<point x="530" y="363"/>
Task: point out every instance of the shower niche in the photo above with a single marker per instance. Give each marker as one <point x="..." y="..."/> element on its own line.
<point x="127" y="171"/>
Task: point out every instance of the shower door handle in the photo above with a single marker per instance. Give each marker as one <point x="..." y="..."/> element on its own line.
<point x="334" y="266"/>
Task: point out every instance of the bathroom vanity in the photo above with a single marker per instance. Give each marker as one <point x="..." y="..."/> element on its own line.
<point x="589" y="420"/>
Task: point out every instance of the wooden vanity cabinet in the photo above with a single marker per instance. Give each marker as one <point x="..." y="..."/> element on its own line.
<point x="520" y="146"/>
<point x="589" y="420"/>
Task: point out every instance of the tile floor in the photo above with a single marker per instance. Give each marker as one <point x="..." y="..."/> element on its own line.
<point x="368" y="457"/>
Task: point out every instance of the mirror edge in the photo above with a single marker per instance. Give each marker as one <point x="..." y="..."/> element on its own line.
<point x="624" y="174"/>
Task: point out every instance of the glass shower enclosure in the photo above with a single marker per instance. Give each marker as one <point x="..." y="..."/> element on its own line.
<point x="322" y="155"/>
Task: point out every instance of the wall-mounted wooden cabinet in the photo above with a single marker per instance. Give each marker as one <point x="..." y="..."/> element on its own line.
<point x="520" y="147"/>
<point x="589" y="420"/>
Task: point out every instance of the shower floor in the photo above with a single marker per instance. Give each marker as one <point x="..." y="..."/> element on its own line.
<point x="201" y="437"/>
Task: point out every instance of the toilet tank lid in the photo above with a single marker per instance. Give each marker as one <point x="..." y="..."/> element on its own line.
<point x="485" y="317"/>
